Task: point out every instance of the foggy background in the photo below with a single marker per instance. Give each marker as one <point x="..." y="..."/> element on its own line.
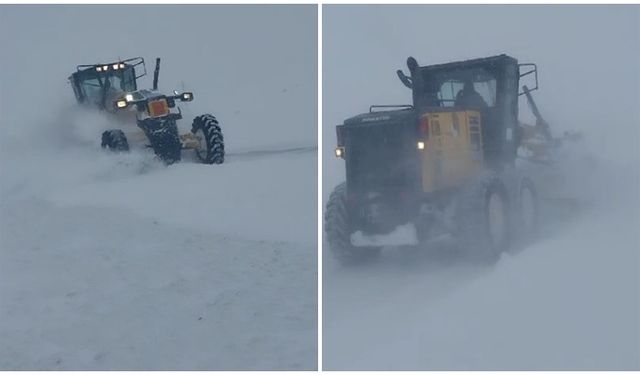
<point x="570" y="301"/>
<point x="117" y="262"/>
<point x="248" y="65"/>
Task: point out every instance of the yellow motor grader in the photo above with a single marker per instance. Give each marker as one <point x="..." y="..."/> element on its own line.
<point x="146" y="114"/>
<point x="444" y="164"/>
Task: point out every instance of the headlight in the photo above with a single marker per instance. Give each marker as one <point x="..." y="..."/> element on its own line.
<point x="339" y="152"/>
<point x="105" y="67"/>
<point x="121" y="103"/>
<point x="98" y="69"/>
<point x="121" y="65"/>
<point x="186" y="96"/>
<point x="421" y="145"/>
<point x="115" y="66"/>
<point x="128" y="97"/>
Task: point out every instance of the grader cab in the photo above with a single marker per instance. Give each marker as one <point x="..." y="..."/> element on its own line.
<point x="98" y="85"/>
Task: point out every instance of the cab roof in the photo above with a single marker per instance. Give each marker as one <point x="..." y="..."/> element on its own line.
<point x="491" y="60"/>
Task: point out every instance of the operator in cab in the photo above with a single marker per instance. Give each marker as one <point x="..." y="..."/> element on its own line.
<point x="468" y="97"/>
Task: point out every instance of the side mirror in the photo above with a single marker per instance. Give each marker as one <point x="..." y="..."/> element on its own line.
<point x="528" y="77"/>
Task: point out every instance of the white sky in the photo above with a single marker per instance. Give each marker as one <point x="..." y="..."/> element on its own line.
<point x="588" y="60"/>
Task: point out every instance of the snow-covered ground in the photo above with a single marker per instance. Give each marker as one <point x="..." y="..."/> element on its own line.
<point x="571" y="300"/>
<point x="170" y="268"/>
<point x="115" y="261"/>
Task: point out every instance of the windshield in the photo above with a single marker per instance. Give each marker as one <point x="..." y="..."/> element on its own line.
<point x="92" y="89"/>
<point x="452" y="90"/>
<point x="122" y="80"/>
<point x="95" y="86"/>
<point x="464" y="87"/>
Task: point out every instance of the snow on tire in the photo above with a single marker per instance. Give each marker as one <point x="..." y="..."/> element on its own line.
<point x="207" y="129"/>
<point x="338" y="230"/>
<point x="527" y="211"/>
<point x="164" y="139"/>
<point x="483" y="219"/>
<point x="115" y="140"/>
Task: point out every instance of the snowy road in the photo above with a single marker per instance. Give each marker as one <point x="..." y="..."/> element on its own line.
<point x="126" y="264"/>
<point x="571" y="301"/>
<point x="103" y="290"/>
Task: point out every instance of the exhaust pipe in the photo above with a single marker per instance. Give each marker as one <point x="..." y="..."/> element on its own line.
<point x="156" y="73"/>
<point x="420" y="99"/>
<point x="408" y="81"/>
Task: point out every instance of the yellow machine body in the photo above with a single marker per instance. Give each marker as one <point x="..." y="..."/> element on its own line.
<point x="452" y="152"/>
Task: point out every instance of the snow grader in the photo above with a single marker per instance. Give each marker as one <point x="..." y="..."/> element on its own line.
<point x="446" y="164"/>
<point x="113" y="88"/>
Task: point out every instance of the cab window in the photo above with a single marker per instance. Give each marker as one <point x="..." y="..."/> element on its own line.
<point x="487" y="89"/>
<point x="91" y="88"/>
<point x="448" y="92"/>
<point x="450" y="89"/>
<point x="129" y="79"/>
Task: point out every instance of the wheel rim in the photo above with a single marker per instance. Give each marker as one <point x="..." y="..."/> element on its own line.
<point x="201" y="151"/>
<point x="497" y="220"/>
<point x="528" y="209"/>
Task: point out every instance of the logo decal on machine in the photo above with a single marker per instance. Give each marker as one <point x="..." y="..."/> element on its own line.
<point x="378" y="118"/>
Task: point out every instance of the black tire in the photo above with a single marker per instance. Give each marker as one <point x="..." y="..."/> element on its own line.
<point x="527" y="211"/>
<point x="164" y="138"/>
<point x="115" y="140"/>
<point x="212" y="149"/>
<point x="484" y="220"/>
<point x="338" y="231"/>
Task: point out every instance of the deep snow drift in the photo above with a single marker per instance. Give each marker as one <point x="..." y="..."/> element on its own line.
<point x="114" y="261"/>
<point x="570" y="301"/>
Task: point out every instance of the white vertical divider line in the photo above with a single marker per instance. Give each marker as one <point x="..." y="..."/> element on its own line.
<point x="319" y="185"/>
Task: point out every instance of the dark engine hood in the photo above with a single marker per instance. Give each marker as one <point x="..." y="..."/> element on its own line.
<point x="397" y="116"/>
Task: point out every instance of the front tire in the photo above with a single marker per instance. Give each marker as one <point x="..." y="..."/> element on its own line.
<point x="338" y="231"/>
<point x="207" y="130"/>
<point x="164" y="138"/>
<point x="115" y="140"/>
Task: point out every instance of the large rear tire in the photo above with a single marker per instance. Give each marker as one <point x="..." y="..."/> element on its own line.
<point x="207" y="130"/>
<point x="527" y="211"/>
<point x="338" y="231"/>
<point x="484" y="221"/>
